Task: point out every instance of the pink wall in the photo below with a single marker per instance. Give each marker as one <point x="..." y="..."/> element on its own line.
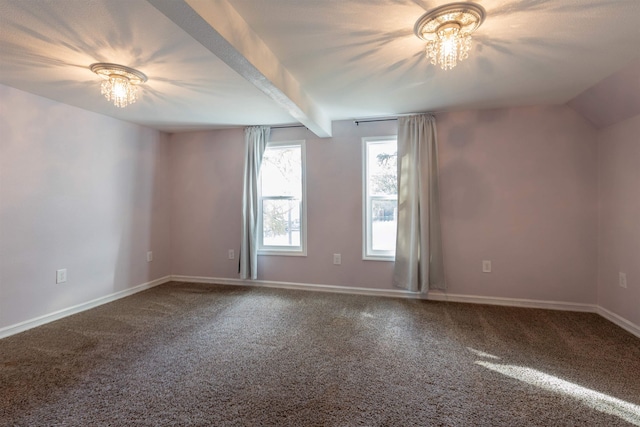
<point x="613" y="99"/>
<point x="518" y="187"/>
<point x="206" y="191"/>
<point x="619" y="222"/>
<point x="206" y="205"/>
<point x="79" y="191"/>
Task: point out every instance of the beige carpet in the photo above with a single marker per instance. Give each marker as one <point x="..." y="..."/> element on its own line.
<point x="187" y="354"/>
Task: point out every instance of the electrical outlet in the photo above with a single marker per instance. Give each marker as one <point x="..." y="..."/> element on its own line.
<point x="622" y="279"/>
<point x="486" y="266"/>
<point x="149" y="256"/>
<point x="337" y="259"/>
<point x="61" y="275"/>
<point x="231" y="254"/>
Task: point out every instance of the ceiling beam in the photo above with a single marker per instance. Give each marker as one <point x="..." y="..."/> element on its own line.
<point x="217" y="26"/>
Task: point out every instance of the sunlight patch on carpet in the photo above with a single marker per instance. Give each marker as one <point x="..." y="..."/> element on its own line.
<point x="482" y="353"/>
<point x="593" y="399"/>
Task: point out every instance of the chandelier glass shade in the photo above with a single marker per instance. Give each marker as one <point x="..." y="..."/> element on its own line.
<point x="447" y="30"/>
<point x="120" y="82"/>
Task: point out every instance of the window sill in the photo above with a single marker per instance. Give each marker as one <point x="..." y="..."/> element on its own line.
<point x="379" y="258"/>
<point x="267" y="252"/>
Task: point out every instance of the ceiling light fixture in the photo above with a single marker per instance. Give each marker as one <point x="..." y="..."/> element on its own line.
<point x="119" y="83"/>
<point x="447" y="30"/>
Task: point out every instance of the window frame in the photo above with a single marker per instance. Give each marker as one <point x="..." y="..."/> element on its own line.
<point x="286" y="250"/>
<point x="368" y="253"/>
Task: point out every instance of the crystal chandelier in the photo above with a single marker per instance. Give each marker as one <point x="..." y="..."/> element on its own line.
<point x="447" y="30"/>
<point x="120" y="82"/>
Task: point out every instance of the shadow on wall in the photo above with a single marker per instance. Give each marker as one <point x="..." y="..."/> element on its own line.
<point x="81" y="192"/>
<point x="465" y="192"/>
<point x="141" y="171"/>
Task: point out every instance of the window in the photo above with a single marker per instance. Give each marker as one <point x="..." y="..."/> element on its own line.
<point x="281" y="203"/>
<point x="380" y="197"/>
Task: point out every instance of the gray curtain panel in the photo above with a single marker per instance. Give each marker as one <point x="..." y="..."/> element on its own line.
<point x="256" y="138"/>
<point x="419" y="262"/>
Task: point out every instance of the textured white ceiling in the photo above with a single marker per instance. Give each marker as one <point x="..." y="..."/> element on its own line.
<point x="47" y="46"/>
<point x="354" y="58"/>
<point x="360" y="57"/>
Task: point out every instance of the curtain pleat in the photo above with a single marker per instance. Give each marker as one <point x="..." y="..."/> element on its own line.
<point x="256" y="138"/>
<point x="419" y="264"/>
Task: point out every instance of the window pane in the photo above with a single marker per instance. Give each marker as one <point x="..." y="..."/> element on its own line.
<point x="280" y="222"/>
<point x="382" y="168"/>
<point x="381" y="194"/>
<point x="281" y="172"/>
<point x="383" y="224"/>
<point x="282" y="205"/>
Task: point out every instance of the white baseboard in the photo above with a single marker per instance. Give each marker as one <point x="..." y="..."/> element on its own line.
<point x="620" y="321"/>
<point x="38" y="321"/>
<point x="395" y="293"/>
<point x="398" y="293"/>
<point x="513" y="302"/>
<point x="433" y="296"/>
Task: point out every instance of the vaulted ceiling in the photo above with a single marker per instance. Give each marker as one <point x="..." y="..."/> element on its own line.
<point x="223" y="63"/>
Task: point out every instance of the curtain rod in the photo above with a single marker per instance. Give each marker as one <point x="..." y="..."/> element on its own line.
<point x="357" y="122"/>
<point x="389" y="119"/>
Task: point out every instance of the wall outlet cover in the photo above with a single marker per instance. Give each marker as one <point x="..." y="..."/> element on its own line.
<point x="486" y="266"/>
<point x="622" y="279"/>
<point x="61" y="275"/>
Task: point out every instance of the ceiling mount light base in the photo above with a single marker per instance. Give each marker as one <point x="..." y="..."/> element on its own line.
<point x="447" y="30"/>
<point x="119" y="83"/>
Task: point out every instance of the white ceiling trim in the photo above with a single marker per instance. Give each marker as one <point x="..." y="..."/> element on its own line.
<point x="217" y="26"/>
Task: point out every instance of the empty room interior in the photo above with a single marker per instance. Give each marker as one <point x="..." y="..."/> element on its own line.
<point x="323" y="213"/>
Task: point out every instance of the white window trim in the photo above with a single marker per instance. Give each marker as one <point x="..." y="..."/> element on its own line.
<point x="371" y="255"/>
<point x="287" y="250"/>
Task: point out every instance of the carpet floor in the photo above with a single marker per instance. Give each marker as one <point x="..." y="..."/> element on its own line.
<point x="185" y="354"/>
